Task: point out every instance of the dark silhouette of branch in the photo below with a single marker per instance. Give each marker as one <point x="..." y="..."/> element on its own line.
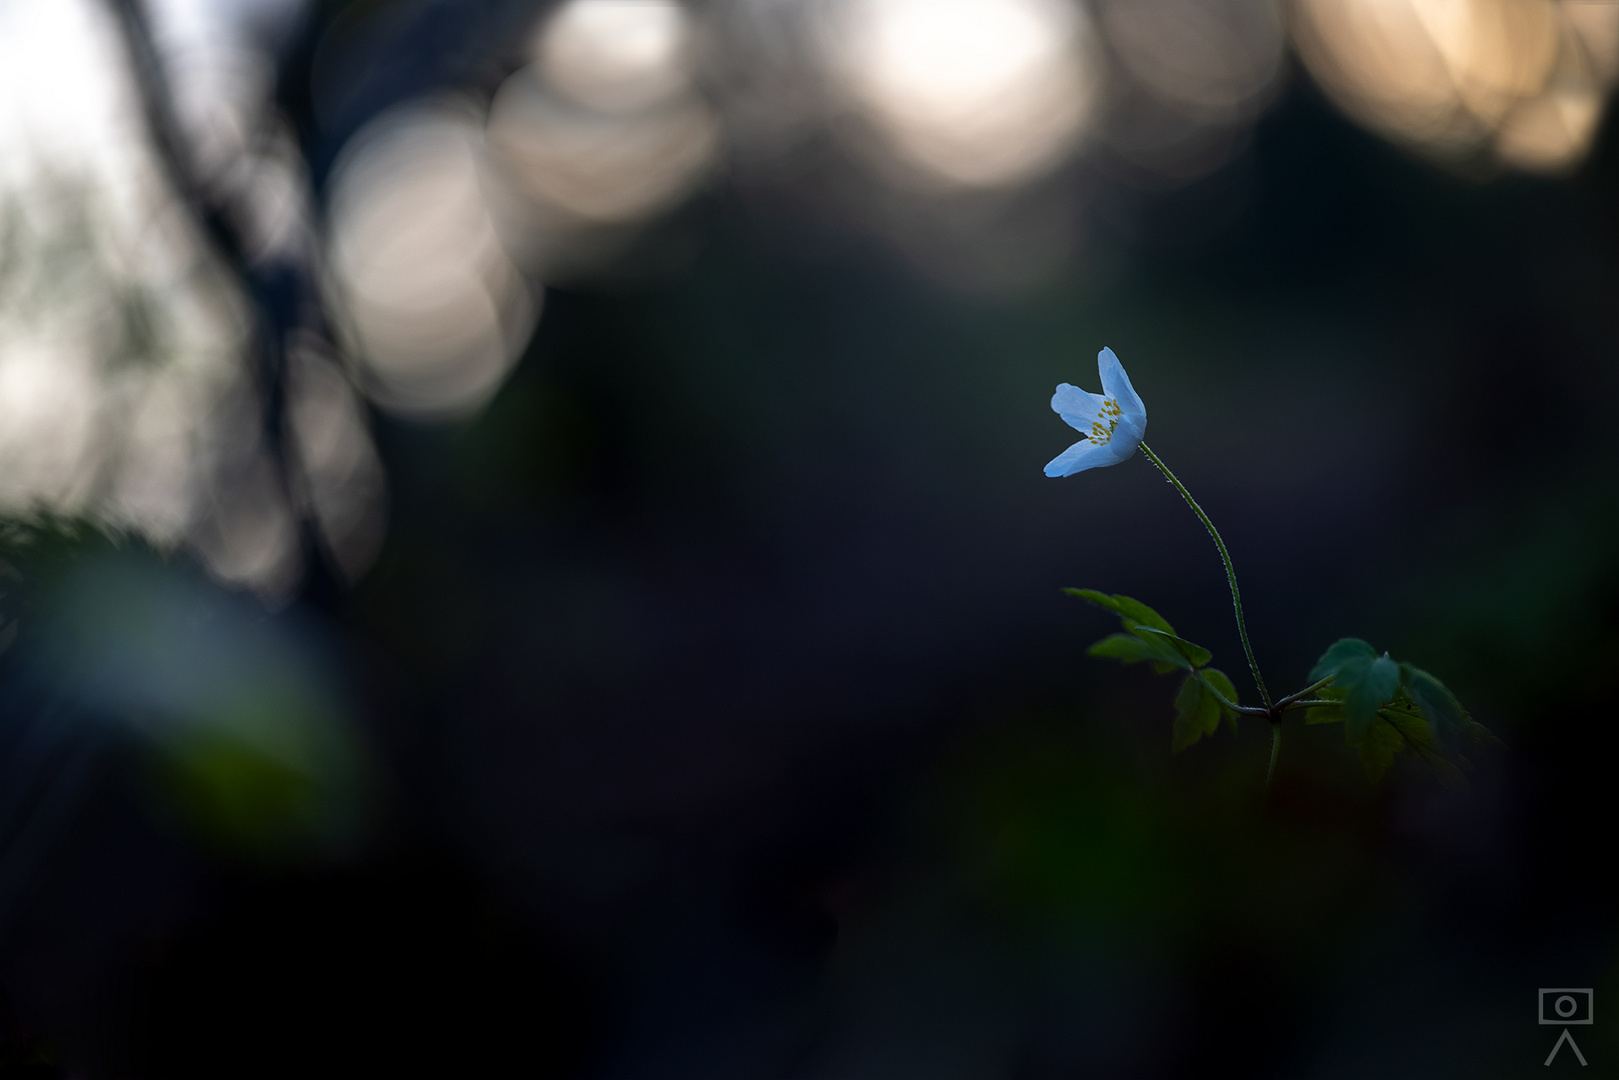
<point x="281" y="294"/>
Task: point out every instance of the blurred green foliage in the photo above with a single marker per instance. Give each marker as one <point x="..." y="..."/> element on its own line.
<point x="242" y="728"/>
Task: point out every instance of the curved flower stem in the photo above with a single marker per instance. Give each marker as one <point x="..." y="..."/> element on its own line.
<point x="1231" y="577"/>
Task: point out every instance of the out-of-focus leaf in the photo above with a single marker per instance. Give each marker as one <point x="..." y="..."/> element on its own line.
<point x="1197" y="713"/>
<point x="1376" y="688"/>
<point x="1339" y="653"/>
<point x="1379" y="742"/>
<point x="1195" y="655"/>
<point x="1129" y="609"/>
<point x="1324" y="714"/>
<point x="1419" y="739"/>
<point x="1445" y="715"/>
<point x="1222" y="683"/>
<point x="1364" y="679"/>
<point x="1125" y="648"/>
<point x="1142" y="623"/>
<point x="1129" y="648"/>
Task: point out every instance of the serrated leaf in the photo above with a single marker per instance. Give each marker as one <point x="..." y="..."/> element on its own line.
<point x="1128" y="608"/>
<point x="1163" y="654"/>
<point x="1324" y="714"/>
<point x="1222" y="683"/>
<point x="1195" y="655"/>
<point x="1340" y="652"/>
<point x="1438" y="705"/>
<point x="1365" y="683"/>
<point x="1379" y="742"/>
<point x="1197" y="713"/>
<point x="1419" y="740"/>
<point x="1125" y="648"/>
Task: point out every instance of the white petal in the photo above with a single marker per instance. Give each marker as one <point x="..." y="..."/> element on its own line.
<point x="1078" y="408"/>
<point x="1116" y="385"/>
<point x="1086" y="454"/>
<point x="1130" y="432"/>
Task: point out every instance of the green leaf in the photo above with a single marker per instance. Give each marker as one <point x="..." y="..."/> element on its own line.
<point x="1129" y="648"/>
<point x="1374" y="689"/>
<point x="1379" y="742"/>
<point x="1197" y="713"/>
<point x="1223" y="684"/>
<point x="1419" y="740"/>
<point x="1129" y="609"/>
<point x="1340" y="651"/>
<point x="1361" y="679"/>
<point x="1438" y="705"/>
<point x="1125" y="648"/>
<point x="1134" y="617"/>
<point x="1195" y="655"/>
<point x="1324" y="714"/>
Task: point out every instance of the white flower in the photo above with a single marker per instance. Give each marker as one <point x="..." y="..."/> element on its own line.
<point x="1114" y="421"/>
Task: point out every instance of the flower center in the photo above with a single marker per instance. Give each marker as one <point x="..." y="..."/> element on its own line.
<point x="1106" y="421"/>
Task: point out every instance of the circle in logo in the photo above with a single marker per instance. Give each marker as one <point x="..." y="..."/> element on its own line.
<point x="1565" y="1005"/>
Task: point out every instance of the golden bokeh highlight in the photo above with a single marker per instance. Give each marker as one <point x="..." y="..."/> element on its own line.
<point x="1218" y="59"/>
<point x="1524" y="80"/>
<point x="602" y="131"/>
<point x="972" y="93"/>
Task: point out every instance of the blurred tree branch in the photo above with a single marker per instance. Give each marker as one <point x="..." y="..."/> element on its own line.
<point x="281" y="292"/>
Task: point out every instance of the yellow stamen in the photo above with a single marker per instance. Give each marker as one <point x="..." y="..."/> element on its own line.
<point x="1110" y="414"/>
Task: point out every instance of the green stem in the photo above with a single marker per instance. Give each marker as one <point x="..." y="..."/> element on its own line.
<point x="1275" y="752"/>
<point x="1244" y="710"/>
<point x="1292" y="700"/>
<point x="1231" y="577"/>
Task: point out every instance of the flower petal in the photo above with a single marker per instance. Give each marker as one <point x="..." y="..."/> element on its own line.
<point x="1078" y="408"/>
<point x="1086" y="454"/>
<point x="1130" y="432"/>
<point x="1116" y="385"/>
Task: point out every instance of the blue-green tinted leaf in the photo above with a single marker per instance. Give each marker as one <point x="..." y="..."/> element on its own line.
<point x="1130" y="610"/>
<point x="1195" y="655"/>
<point x="1338" y="653"/>
<point x="1197" y="713"/>
<point x="1439" y="706"/>
<point x="1366" y="683"/>
<point x="1125" y="648"/>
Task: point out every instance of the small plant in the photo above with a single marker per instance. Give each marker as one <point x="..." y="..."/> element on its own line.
<point x="1386" y="707"/>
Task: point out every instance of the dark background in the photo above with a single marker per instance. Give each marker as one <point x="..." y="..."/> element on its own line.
<point x="721" y="715"/>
